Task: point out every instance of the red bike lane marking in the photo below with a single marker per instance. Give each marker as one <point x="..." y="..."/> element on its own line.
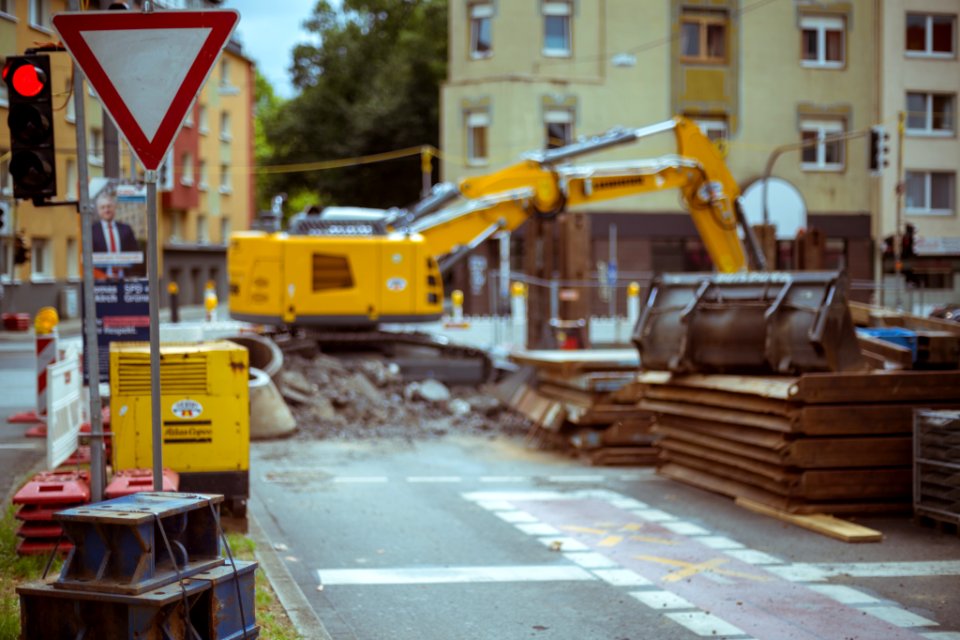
<point x="757" y="601"/>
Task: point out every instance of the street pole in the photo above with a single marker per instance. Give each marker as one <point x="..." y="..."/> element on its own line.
<point x="87" y="219"/>
<point x="898" y="232"/>
<point x="153" y="266"/>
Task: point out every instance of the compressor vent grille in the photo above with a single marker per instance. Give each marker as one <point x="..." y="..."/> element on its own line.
<point x="183" y="376"/>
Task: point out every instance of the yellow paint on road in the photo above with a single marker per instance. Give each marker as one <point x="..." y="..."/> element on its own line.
<point x="653" y="540"/>
<point x="610" y="541"/>
<point x="688" y="569"/>
<point x="576" y="529"/>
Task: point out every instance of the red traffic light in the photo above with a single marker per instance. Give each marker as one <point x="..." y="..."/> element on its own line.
<point x="27" y="80"/>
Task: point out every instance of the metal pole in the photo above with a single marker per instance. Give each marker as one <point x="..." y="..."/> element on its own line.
<point x="898" y="232"/>
<point x="153" y="266"/>
<point x="87" y="220"/>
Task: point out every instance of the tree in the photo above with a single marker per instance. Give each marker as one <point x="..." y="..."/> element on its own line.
<point x="370" y="85"/>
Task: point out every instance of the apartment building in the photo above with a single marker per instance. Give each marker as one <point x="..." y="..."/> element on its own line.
<point x="921" y="78"/>
<point x="756" y="76"/>
<point x="206" y="192"/>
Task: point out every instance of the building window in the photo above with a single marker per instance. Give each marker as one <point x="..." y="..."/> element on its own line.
<point x="40" y="14"/>
<point x="186" y="169"/>
<point x="481" y="26"/>
<point x="556" y="28"/>
<point x="6" y="7"/>
<point x="713" y="127"/>
<point x="821" y="153"/>
<point x="225" y="126"/>
<point x="177" y="225"/>
<point x="931" y="35"/>
<point x="71" y="111"/>
<point x="823" y="41"/>
<point x="478" y="127"/>
<point x="6" y="259"/>
<point x="73" y="179"/>
<point x="6" y="182"/>
<point x="4" y="96"/>
<point x="931" y="113"/>
<point x="931" y="193"/>
<point x="558" y="128"/>
<point x="95" y="147"/>
<point x="188" y="119"/>
<point x="225" y="178"/>
<point x="41" y="267"/>
<point x="73" y="258"/>
<point x="202" y="125"/>
<point x="224" y="230"/>
<point x="703" y="36"/>
<point x="203" y="233"/>
<point x="224" y="72"/>
<point x="202" y="170"/>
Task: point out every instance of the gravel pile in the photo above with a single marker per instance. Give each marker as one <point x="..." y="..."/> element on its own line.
<point x="362" y="399"/>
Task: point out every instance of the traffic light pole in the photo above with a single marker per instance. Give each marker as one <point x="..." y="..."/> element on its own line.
<point x="87" y="220"/>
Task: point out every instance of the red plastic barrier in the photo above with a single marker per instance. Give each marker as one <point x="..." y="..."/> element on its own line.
<point x="130" y="481"/>
<point x="24" y="417"/>
<point x="55" y="487"/>
<point x="41" y="547"/>
<point x="38" y="430"/>
<point x="16" y="321"/>
<point x="40" y="513"/>
<point x="34" y="530"/>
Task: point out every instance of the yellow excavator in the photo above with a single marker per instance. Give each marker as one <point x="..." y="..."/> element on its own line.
<point x="353" y="269"/>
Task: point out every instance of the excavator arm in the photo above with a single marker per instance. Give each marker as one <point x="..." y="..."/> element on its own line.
<point x="545" y="183"/>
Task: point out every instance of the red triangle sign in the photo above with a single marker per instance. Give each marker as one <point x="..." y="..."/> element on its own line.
<point x="146" y="68"/>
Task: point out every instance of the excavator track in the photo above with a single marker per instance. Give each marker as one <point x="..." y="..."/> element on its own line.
<point x="449" y="362"/>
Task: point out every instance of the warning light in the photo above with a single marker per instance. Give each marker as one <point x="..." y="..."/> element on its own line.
<point x="28" y="81"/>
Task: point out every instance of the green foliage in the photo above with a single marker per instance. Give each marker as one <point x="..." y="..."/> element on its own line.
<point x="370" y="84"/>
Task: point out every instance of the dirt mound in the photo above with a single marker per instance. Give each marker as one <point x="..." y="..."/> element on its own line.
<point x="368" y="398"/>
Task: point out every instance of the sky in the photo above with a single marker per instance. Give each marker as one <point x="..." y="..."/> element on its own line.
<point x="268" y="31"/>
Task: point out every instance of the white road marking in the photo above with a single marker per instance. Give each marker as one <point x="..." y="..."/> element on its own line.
<point x="942" y="635"/>
<point x="434" y="479"/>
<point x="843" y="595"/>
<point x="751" y="556"/>
<point x="496" y="505"/>
<point x="628" y="503"/>
<point x="26" y="446"/>
<point x="685" y="528"/>
<point x="515" y="516"/>
<point x="576" y="479"/>
<point x="802" y="572"/>
<point x="538" y="529"/>
<point x="705" y="624"/>
<point x="622" y="577"/>
<point x="359" y="479"/>
<point x="719" y="542"/>
<point x="662" y="600"/>
<point x="502" y="479"/>
<point x="453" y="575"/>
<point x="514" y="496"/>
<point x="899" y="617"/>
<point x="564" y="544"/>
<point x="590" y="560"/>
<point x="654" y="515"/>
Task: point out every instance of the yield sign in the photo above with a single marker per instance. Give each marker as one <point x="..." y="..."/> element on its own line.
<point x="146" y="68"/>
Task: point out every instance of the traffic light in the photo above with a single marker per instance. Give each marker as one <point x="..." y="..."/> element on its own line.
<point x="878" y="149"/>
<point x="32" y="162"/>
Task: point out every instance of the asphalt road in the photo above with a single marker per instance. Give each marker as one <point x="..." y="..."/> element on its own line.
<point x="471" y="538"/>
<point x="18" y="455"/>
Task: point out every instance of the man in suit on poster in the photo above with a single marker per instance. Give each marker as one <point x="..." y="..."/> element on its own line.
<point x="111" y="236"/>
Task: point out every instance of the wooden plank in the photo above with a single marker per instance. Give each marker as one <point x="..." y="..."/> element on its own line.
<point x="773" y="387"/>
<point x="714" y="398"/>
<point x="897" y="355"/>
<point x="592" y="382"/>
<point x="572" y="362"/>
<point x="846" y="484"/>
<point x="819" y="523"/>
<point x="802" y="453"/>
<point x="866" y="315"/>
<point x="733" y="489"/>
<point x="730" y="416"/>
<point x="878" y="386"/>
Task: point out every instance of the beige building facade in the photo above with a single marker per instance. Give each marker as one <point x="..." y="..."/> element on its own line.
<point x="207" y="190"/>
<point x="755" y="76"/>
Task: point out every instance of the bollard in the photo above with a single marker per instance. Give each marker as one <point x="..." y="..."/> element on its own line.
<point x="518" y="312"/>
<point x="456" y="298"/>
<point x="174" y="290"/>
<point x="633" y="304"/>
<point x="210" y="299"/>
<point x="45" y="328"/>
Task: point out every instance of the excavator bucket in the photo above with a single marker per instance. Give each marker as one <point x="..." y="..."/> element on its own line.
<point x="756" y="323"/>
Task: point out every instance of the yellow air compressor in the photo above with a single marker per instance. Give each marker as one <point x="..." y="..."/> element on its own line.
<point x="205" y="413"/>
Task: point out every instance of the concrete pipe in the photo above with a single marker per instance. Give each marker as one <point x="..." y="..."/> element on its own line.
<point x="264" y="353"/>
<point x="270" y="416"/>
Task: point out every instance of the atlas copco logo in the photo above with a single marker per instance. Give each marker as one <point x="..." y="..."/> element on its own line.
<point x="187" y="409"/>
